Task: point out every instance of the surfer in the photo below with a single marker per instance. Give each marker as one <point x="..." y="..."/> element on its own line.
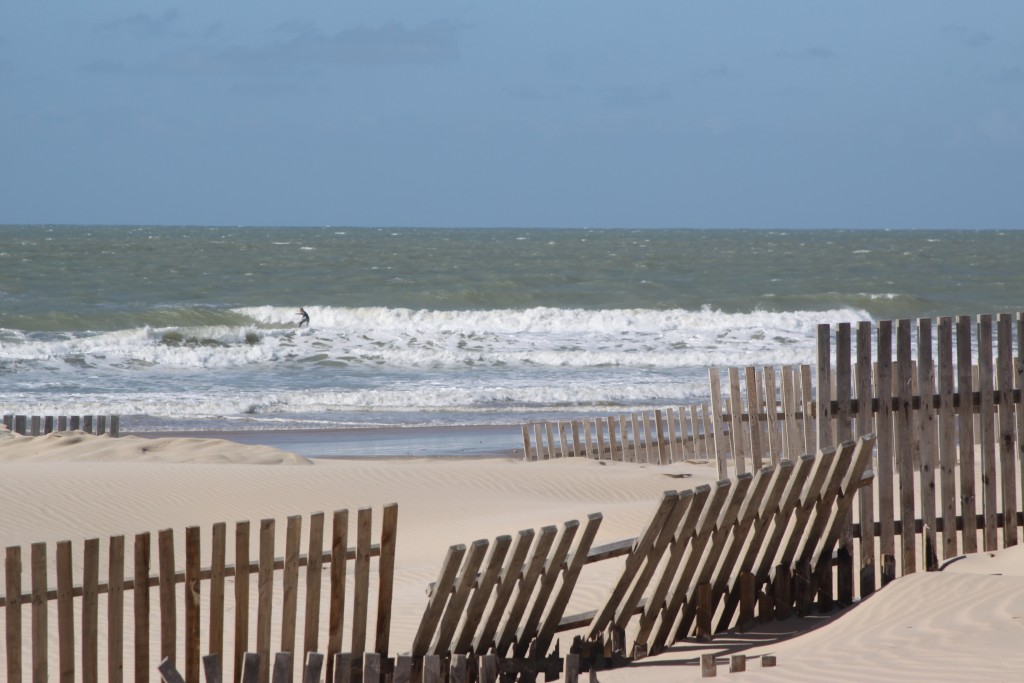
<point x="305" y="317"/>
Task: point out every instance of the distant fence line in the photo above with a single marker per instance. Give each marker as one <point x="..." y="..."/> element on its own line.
<point x="36" y="425"/>
<point x="695" y="432"/>
<point x="82" y="650"/>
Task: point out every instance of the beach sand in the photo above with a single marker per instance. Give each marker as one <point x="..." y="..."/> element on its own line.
<point x="965" y="623"/>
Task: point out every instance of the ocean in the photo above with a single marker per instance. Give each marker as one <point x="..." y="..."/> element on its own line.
<point x="196" y="328"/>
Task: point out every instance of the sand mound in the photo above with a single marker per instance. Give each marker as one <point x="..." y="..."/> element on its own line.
<point x="80" y="447"/>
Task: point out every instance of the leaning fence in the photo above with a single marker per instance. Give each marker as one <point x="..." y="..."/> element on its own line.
<point x="709" y="559"/>
<point x="184" y="591"/>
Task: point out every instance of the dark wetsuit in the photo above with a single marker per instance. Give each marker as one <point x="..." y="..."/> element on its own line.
<point x="305" y="317"/>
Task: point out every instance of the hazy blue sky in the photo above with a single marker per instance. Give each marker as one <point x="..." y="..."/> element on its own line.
<point x="558" y="113"/>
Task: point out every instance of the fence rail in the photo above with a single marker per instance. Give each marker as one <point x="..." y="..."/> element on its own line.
<point x="178" y="611"/>
<point x="36" y="425"/>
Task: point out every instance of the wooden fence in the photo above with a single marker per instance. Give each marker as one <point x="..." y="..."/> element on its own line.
<point x="706" y="557"/>
<point x="702" y="431"/>
<point x="943" y="397"/>
<point x="182" y="628"/>
<point x="35" y="425"/>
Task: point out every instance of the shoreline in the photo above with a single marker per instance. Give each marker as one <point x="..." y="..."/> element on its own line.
<point x="468" y="441"/>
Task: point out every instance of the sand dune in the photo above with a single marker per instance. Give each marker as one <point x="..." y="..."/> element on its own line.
<point x="966" y="623"/>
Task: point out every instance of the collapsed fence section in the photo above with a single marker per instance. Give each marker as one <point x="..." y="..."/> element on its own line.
<point x="182" y="590"/>
<point x="36" y="425"/>
<point x="706" y="557"/>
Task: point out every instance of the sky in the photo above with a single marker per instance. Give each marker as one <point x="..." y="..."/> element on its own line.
<point x="662" y="113"/>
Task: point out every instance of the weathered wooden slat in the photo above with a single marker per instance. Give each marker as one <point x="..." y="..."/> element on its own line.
<point x="361" y="583"/>
<point x="1007" y="435"/>
<point x="769" y="508"/>
<point x="639" y="455"/>
<point x="282" y="670"/>
<point x="673" y="444"/>
<point x="965" y="425"/>
<point x="527" y="449"/>
<point x="265" y="596"/>
<point x="927" y="422"/>
<point x="510" y="574"/>
<point x="140" y="599"/>
<point x="708" y="435"/>
<point x="681" y="536"/>
<point x="986" y="435"/>
<point x="627" y="453"/>
<point x="336" y="609"/>
<point x="486" y="586"/>
<point x="903" y="419"/>
<point x="552" y="451"/>
<point x="463" y="586"/>
<point x="168" y="673"/>
<point x="643" y="546"/>
<point x="811" y="493"/>
<point x="736" y="540"/>
<point x="614" y="446"/>
<point x="884" y="430"/>
<point x="705" y="527"/>
<point x="806" y="408"/>
<point x="946" y="443"/>
<point x="115" y="610"/>
<point x="524" y="590"/>
<point x="39" y="630"/>
<point x="90" y="610"/>
<point x="386" y="578"/>
<point x="792" y="439"/>
<point x="754" y="409"/>
<point x="664" y="455"/>
<point x="435" y="605"/>
<point x="252" y="664"/>
<point x="191" y="600"/>
<point x="865" y="425"/>
<point x="212" y="668"/>
<point x="218" y="559"/>
<point x="788" y="505"/>
<point x="1019" y="401"/>
<point x="545" y="586"/>
<point x="823" y="509"/>
<point x="843" y="413"/>
<point x="314" y="665"/>
<point x="856" y="476"/>
<point x="599" y="435"/>
<point x="720" y="450"/>
<point x="699" y="451"/>
<point x="65" y="615"/>
<point x="823" y="390"/>
<point x="737" y="433"/>
<point x="168" y="600"/>
<point x="241" y="645"/>
<point x="314" y="576"/>
<point x="775" y="447"/>
<point x="290" y="584"/>
<point x="641" y="579"/>
<point x="716" y="544"/>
